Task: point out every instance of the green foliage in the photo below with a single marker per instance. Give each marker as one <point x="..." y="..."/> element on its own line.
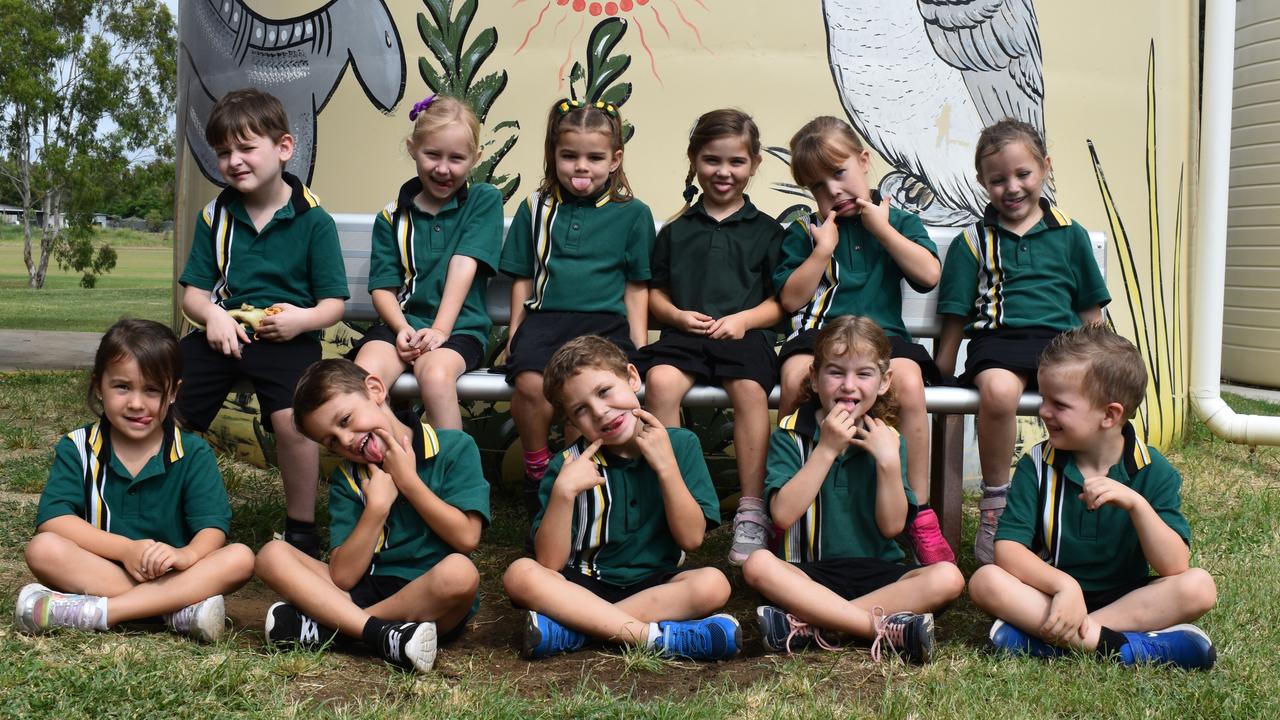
<point x="592" y="84"/>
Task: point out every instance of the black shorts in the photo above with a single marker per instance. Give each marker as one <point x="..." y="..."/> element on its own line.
<point x="471" y="349"/>
<point x="208" y="376"/>
<point x="714" y="361"/>
<point x="543" y="333"/>
<point x="1014" y="349"/>
<point x="373" y="589"/>
<point x="1098" y="599"/>
<point x="804" y="343"/>
<point x="852" y="578"/>
<point x="611" y="593"/>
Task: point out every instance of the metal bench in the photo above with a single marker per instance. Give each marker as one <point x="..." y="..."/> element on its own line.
<point x="948" y="405"/>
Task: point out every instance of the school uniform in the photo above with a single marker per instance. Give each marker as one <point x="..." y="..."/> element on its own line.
<point x="1016" y="293"/>
<point x="580" y="253"/>
<point x="295" y="259"/>
<point x="621" y="543"/>
<point x="862" y="278"/>
<point x="721" y="267"/>
<point x="410" y="256"/>
<point x="176" y="494"/>
<point x="836" y="542"/>
<point x="1099" y="548"/>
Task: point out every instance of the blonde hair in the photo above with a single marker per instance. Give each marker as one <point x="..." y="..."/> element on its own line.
<point x="821" y="147"/>
<point x="444" y="111"/>
<point x="856" y="334"/>
<point x="573" y="116"/>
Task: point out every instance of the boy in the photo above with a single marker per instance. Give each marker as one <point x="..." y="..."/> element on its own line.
<point x="263" y="242"/>
<point x="405" y="510"/>
<point x="619" y="507"/>
<point x="1089" y="509"/>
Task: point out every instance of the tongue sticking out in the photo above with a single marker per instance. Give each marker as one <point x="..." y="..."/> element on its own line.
<point x="581" y="184"/>
<point x="373" y="450"/>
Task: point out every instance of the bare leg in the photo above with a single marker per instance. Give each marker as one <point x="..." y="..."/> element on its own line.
<point x="665" y="387"/>
<point x="998" y="393"/>
<point x="437" y="373"/>
<point x="531" y="411"/>
<point x="381" y="359"/>
<point x="299" y="460"/>
<point x="795" y="372"/>
<point x="913" y="422"/>
<point x="750" y="433"/>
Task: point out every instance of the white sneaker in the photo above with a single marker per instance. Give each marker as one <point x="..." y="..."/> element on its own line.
<point x="203" y="621"/>
<point x="40" y="609"/>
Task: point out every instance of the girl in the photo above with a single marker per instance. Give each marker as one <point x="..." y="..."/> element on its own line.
<point x="719" y="325"/>
<point x="134" y="514"/>
<point x="1011" y="283"/>
<point x="434" y="246"/>
<point x="853" y="263"/>
<point x="835" y="482"/>
<point x="578" y="250"/>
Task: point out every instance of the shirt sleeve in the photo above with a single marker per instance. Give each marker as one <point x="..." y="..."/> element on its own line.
<point x="200" y="270"/>
<point x="385" y="270"/>
<point x="693" y="468"/>
<point x="328" y="272"/>
<point x="640" y="244"/>
<point x="463" y="485"/>
<point x="660" y="265"/>
<point x="796" y="247"/>
<point x="482" y="233"/>
<point x="1164" y="493"/>
<point x="1091" y="287"/>
<point x="63" y="492"/>
<point x="345" y="507"/>
<point x="958" y="287"/>
<point x="1017" y="523"/>
<point x="909" y="226"/>
<point x="517" y="251"/>
<point x="783" y="463"/>
<point x="544" y="489"/>
<point x="204" y="498"/>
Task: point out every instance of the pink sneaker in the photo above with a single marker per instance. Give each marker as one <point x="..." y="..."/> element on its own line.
<point x="927" y="541"/>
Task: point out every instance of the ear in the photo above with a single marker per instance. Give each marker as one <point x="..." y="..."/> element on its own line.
<point x="173" y="396"/>
<point x="376" y="389"/>
<point x="886" y="380"/>
<point x="1048" y="164"/>
<point x="1113" y="415"/>
<point x="864" y="159"/>
<point x="285" y="147"/>
<point x="755" y="164"/>
<point x="616" y="162"/>
<point x="633" y="378"/>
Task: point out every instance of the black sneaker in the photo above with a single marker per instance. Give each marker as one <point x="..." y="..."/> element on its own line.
<point x="410" y="645"/>
<point x="287" y="627"/>
<point x="305" y="540"/>
<point x="910" y="635"/>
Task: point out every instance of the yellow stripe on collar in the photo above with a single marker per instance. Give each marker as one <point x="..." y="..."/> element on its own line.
<point x="430" y="442"/>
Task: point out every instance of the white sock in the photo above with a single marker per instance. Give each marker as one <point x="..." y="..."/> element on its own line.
<point x="101" y="625"/>
<point x="654" y="634"/>
<point x="995" y="489"/>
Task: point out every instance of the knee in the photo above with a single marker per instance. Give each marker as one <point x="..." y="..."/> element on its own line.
<point x="434" y="378"/>
<point x="270" y="556"/>
<point x="46" y="549"/>
<point x="1000" y="395"/>
<point x="711" y="589"/>
<point x="984" y="584"/>
<point x="457" y="577"/>
<point x="908" y="382"/>
<point x="518" y="579"/>
<point x="1198" y="592"/>
<point x="756" y="567"/>
<point x="529" y="387"/>
<point x="285" y="431"/>
<point x="237" y="563"/>
<point x="946" y="581"/>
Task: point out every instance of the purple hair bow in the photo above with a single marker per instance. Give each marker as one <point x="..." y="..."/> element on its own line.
<point x="421" y="107"/>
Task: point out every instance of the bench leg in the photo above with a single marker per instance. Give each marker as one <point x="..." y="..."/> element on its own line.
<point x="946" y="476"/>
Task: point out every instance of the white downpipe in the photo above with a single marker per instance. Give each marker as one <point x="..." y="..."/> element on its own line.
<point x="1210" y="262"/>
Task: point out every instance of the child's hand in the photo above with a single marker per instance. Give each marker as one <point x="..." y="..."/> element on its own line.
<point x="729" y="327"/>
<point x="654" y="442"/>
<point x="1099" y="491"/>
<point x="159" y="558"/>
<point x="397" y="458"/>
<point x="838" y="430"/>
<point x="379" y="490"/>
<point x="1067" y="616"/>
<point x="406" y="345"/>
<point x="872" y="435"/>
<point x="875" y="218"/>
<point x="579" y="474"/>
<point x="694" y="323"/>
<point x="430" y="338"/>
<point x="826" y="235"/>
<point x="134" y="562"/>
<point x="223" y="333"/>
<point x="285" y="325"/>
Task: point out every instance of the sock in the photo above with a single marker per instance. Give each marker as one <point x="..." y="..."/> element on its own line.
<point x="1110" y="642"/>
<point x="535" y="463"/>
<point x="372" y="633"/>
<point x="294" y="526"/>
<point x="101" y="625"/>
<point x="654" y="634"/>
<point x="748" y="502"/>
<point x="989" y="490"/>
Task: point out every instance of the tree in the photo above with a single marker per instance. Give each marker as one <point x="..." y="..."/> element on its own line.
<point x="83" y="84"/>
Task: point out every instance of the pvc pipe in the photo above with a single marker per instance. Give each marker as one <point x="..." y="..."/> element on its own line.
<point x="1209" y="268"/>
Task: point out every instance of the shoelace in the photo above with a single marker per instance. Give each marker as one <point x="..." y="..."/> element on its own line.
<point x="183" y="619"/>
<point x="687" y="640"/>
<point x="750" y="533"/>
<point x="560" y="637"/>
<point x="803" y="630"/>
<point x="934" y="543"/>
<point x="77" y="611"/>
<point x="893" y="633"/>
<point x="309" y="633"/>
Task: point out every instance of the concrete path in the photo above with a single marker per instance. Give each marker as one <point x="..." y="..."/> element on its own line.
<point x="46" y="349"/>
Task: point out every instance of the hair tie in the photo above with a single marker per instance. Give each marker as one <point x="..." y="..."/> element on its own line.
<point x="568" y="105"/>
<point x="689" y="193"/>
<point x="421" y="107"/>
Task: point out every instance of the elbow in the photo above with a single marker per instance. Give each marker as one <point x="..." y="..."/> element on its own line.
<point x="468" y="542"/>
<point x="691" y="543"/>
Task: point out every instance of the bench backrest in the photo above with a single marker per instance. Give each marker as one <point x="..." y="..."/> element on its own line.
<point x="919" y="310"/>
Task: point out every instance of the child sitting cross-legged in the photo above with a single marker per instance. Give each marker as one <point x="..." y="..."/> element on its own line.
<point x="1091" y="512"/>
<point x="618" y="508"/>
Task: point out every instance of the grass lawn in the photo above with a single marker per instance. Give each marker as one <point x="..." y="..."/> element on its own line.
<point x="139" y="286"/>
<point x="1232" y="498"/>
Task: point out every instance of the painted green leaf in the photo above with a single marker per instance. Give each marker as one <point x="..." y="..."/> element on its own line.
<point x="617" y="94"/>
<point x="475" y="55"/>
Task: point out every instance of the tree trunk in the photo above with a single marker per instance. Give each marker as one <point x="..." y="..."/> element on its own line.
<point x="51" y="230"/>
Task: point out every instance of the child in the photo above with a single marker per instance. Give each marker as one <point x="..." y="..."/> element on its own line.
<point x="836" y="483"/>
<point x="619" y="508"/>
<point x="134" y="514"/>
<point x="264" y="241"/>
<point x="433" y="248"/>
<point x="1089" y="510"/>
<point x="719" y="325"/>
<point x="853" y="263"/>
<point x="406" y="508"/>
<point x="579" y="253"/>
<point x="1020" y="276"/>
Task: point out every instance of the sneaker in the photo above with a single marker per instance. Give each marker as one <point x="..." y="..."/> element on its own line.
<point x="751" y="531"/>
<point x="713" y="638"/>
<point x="305" y="540"/>
<point x="781" y="631"/>
<point x="203" y="621"/>
<point x="286" y="626"/>
<point x="1009" y="639"/>
<point x="40" y="609"/>
<point x="926" y="539"/>
<point x="544" y="637"/>
<point x="409" y="645"/>
<point x="910" y="635"/>
<point x="990" y="508"/>
<point x="1185" y="646"/>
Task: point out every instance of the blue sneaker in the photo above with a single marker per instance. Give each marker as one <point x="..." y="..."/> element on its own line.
<point x="1185" y="646"/>
<point x="1009" y="639"/>
<point x="544" y="637"/>
<point x="714" y="638"/>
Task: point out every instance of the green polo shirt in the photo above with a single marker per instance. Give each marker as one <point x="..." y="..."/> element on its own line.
<point x="580" y="252"/>
<point x="411" y="252"/>
<point x="1045" y="278"/>
<point x="1099" y="548"/>
<point x="449" y="464"/>
<point x="841" y="522"/>
<point x="295" y="259"/>
<point x="620" y="533"/>
<point x="861" y="278"/>
<point x="717" y="267"/>
<point x="178" y="493"/>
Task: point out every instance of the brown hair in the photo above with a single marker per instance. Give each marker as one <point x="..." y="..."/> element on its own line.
<point x="445" y="110"/>
<point x="1113" y="367"/>
<point x="821" y="147"/>
<point x="994" y="137"/>
<point x="152" y="345"/>
<point x="711" y="126"/>
<point x="240" y="113"/>
<point x="321" y="382"/>
<point x="849" y="334"/>
<point x="580" y="353"/>
<point x="570" y="116"/>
